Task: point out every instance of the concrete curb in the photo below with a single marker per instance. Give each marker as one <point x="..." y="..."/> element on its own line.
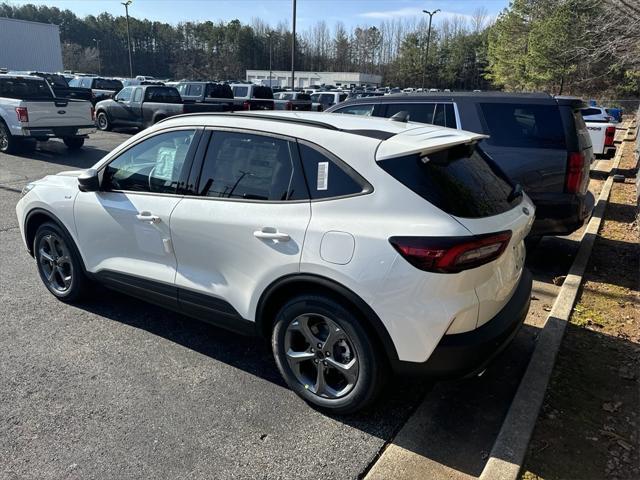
<point x="510" y="447"/>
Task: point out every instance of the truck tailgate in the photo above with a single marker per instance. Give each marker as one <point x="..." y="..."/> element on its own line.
<point x="58" y="113"/>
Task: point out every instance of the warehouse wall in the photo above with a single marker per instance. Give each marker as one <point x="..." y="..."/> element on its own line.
<point x="29" y="46"/>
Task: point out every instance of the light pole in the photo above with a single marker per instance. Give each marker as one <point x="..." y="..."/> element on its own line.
<point x="426" y="62"/>
<point x="99" y="62"/>
<point x="126" y="8"/>
<point x="293" y="49"/>
<point x="270" y="72"/>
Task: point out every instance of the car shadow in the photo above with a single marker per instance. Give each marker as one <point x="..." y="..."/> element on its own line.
<point x="460" y="417"/>
<point x="54" y="151"/>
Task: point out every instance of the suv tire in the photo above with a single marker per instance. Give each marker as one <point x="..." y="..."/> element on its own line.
<point x="325" y="354"/>
<point x="59" y="265"/>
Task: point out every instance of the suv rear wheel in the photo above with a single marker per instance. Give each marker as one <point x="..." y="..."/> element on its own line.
<point x="103" y="122"/>
<point x="325" y="355"/>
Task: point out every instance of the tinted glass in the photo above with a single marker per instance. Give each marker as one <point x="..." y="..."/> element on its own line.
<point x="461" y="181"/>
<point x="524" y="126"/>
<point x="325" y="177"/>
<point x="240" y="91"/>
<point x="365" y="110"/>
<point x="107" y="84"/>
<point x="162" y="95"/>
<point x="418" y="112"/>
<point x="590" y="111"/>
<point x="155" y="165"/>
<point x="262" y="92"/>
<point x="24" y="89"/>
<point x="218" y="90"/>
<point x="251" y="167"/>
<point x="444" y="115"/>
<point x="124" y="94"/>
<point x="195" y="89"/>
<point x="56" y="80"/>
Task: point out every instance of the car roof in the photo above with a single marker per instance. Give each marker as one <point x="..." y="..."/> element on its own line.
<point x="15" y="75"/>
<point x="393" y="138"/>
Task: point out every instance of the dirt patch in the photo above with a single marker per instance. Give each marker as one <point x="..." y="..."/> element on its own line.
<point x="588" y="427"/>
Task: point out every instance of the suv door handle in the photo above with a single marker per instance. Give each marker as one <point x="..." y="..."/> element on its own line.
<point x="148" y="217"/>
<point x="269" y="233"/>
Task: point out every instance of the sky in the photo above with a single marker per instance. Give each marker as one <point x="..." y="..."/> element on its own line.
<point x="350" y="12"/>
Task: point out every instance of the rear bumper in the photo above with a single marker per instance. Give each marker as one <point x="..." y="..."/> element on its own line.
<point x="467" y="353"/>
<point x="78" y="131"/>
<point x="561" y="214"/>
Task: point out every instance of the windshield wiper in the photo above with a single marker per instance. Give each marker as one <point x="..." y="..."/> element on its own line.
<point x="516" y="192"/>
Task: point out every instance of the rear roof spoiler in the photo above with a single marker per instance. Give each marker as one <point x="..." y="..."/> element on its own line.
<point x="573" y="102"/>
<point x="424" y="140"/>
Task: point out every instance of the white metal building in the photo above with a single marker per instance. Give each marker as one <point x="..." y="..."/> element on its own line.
<point x="304" y="79"/>
<point x="30" y="46"/>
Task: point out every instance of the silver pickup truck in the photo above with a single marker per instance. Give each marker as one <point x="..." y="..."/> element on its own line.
<point x="29" y="110"/>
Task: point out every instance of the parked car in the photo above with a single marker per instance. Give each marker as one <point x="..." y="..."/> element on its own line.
<point x="60" y="85"/>
<point x="263" y="224"/>
<point x="292" y="101"/>
<point x="101" y="88"/>
<point x="144" y="106"/>
<point x="540" y="141"/>
<point x="602" y="136"/>
<point x="616" y="113"/>
<point x="209" y="92"/>
<point x="30" y="111"/>
<point x="252" y="97"/>
<point x="323" y="100"/>
<point x="596" y="114"/>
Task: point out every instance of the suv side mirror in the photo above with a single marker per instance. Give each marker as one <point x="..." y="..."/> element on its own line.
<point x="89" y="181"/>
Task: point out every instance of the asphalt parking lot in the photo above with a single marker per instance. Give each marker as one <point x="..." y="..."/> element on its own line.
<point x="116" y="388"/>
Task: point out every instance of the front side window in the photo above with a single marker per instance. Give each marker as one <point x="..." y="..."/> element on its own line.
<point x="154" y="165"/>
<point x="124" y="95"/>
<point x="326" y="178"/>
<point x="251" y="167"/>
<point x="364" y="110"/>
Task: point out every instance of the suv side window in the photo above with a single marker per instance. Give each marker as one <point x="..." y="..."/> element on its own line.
<point x="444" y="115"/>
<point x="195" y="90"/>
<point x="137" y="95"/>
<point x="86" y="82"/>
<point x="326" y="178"/>
<point x="357" y="109"/>
<point x="418" y="112"/>
<point x="153" y="165"/>
<point x="251" y="167"/>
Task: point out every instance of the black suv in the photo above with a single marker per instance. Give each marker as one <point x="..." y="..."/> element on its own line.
<point x="540" y="141"/>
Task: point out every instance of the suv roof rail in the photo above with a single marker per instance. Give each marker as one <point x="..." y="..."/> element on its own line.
<point x="278" y="118"/>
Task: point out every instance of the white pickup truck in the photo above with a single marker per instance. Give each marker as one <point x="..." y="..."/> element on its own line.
<point x="602" y="136"/>
<point x="30" y="110"/>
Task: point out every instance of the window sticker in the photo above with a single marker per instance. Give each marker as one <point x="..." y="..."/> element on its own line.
<point x="323" y="175"/>
<point x="164" y="164"/>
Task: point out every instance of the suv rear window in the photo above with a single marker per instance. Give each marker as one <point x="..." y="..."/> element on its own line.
<point x="461" y="181"/>
<point x="107" y="84"/>
<point x="524" y="126"/>
<point x="218" y="90"/>
<point x="262" y="92"/>
<point x="24" y="89"/>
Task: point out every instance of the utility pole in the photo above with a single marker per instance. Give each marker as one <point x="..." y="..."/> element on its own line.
<point x="99" y="62"/>
<point x="426" y="60"/>
<point x="126" y="8"/>
<point x="270" y="72"/>
<point x="293" y="49"/>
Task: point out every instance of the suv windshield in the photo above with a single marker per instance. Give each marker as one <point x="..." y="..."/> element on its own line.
<point x="524" y="126"/>
<point x="24" y="89"/>
<point x="461" y="181"/>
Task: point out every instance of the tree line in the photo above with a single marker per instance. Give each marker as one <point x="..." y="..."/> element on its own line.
<point x="559" y="46"/>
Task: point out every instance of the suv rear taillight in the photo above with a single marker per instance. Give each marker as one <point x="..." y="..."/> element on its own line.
<point x="23" y="115"/>
<point x="575" y="172"/>
<point x="246" y="105"/>
<point x="609" y="136"/>
<point x="451" y="254"/>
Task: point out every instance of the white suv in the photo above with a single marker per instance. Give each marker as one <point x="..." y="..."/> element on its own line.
<point x="357" y="245"/>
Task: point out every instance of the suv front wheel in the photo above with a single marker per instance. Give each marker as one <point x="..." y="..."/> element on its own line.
<point x="325" y="355"/>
